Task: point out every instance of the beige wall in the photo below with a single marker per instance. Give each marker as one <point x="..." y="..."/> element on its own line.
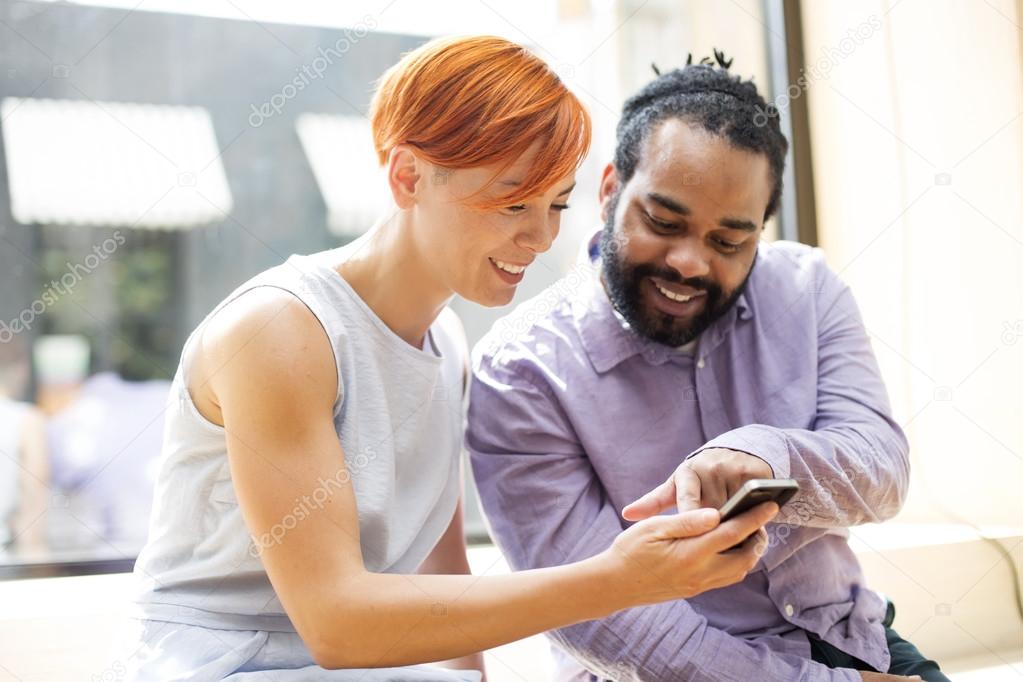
<point x="916" y="134"/>
<point x="605" y="49"/>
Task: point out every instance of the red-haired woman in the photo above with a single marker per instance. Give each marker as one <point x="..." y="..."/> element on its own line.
<point x="307" y="521"/>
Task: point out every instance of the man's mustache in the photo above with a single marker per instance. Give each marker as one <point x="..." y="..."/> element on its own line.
<point x="672" y="276"/>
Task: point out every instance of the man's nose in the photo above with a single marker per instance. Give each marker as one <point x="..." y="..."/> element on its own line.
<point x="688" y="259"/>
<point x="538" y="235"/>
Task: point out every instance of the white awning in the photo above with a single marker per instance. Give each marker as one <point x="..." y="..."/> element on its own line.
<point x="80" y="162"/>
<point x="340" y="152"/>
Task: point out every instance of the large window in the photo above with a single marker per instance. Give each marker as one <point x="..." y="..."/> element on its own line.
<point x="143" y="182"/>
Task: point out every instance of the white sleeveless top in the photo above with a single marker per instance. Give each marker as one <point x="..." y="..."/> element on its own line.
<point x="398" y="414"/>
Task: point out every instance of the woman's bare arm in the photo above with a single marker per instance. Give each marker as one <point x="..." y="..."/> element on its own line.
<point x="449" y="558"/>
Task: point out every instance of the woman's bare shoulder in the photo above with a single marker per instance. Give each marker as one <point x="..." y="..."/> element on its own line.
<point x="264" y="335"/>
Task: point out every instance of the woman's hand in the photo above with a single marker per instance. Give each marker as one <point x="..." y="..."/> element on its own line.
<point x="682" y="555"/>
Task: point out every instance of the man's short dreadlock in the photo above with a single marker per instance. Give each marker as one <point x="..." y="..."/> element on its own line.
<point x="708" y="97"/>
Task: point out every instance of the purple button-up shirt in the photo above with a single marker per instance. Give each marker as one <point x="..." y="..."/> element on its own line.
<point x="573" y="415"/>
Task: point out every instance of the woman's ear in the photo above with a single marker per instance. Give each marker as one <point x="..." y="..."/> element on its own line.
<point x="403" y="174"/>
<point x="608" y="188"/>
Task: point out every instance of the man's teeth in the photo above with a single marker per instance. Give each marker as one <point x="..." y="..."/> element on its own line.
<point x="673" y="296"/>
<point x="507" y="267"/>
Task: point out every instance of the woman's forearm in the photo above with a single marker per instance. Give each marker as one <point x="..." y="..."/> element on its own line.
<point x="388" y="620"/>
<point x="450" y="557"/>
<point x="382" y="620"/>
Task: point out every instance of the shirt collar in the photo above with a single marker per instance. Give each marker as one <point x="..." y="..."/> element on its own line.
<point x="610" y="341"/>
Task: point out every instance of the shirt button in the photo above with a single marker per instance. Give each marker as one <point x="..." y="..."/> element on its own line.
<point x="700" y="363"/>
<point x="789" y="610"/>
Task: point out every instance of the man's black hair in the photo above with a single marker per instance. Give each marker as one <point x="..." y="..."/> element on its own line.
<point x="708" y="97"/>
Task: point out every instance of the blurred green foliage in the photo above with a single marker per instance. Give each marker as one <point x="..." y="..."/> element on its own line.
<point x="124" y="304"/>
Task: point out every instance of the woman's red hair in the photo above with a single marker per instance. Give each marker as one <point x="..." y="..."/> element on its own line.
<point x="481" y="100"/>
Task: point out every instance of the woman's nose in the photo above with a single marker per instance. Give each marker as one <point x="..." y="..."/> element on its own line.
<point x="538" y="235"/>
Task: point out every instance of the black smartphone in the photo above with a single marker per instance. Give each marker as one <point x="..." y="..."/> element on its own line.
<point x="756" y="491"/>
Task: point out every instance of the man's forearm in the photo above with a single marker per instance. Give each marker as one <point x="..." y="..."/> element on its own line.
<point x="848" y="475"/>
<point x="851" y="459"/>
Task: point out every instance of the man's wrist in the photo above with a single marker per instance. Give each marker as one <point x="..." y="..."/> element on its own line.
<point x="718" y="449"/>
<point x="758" y="440"/>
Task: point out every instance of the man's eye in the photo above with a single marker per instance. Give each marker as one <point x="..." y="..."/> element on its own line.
<point x="659" y="224"/>
<point x="727" y="246"/>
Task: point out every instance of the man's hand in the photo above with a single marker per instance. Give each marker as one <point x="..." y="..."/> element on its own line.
<point x="705" y="480"/>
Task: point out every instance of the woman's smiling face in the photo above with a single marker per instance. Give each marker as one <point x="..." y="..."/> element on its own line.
<point x="482" y="254"/>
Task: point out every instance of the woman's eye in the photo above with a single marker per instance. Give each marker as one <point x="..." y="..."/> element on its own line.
<point x="559" y="207"/>
<point x="519" y="208"/>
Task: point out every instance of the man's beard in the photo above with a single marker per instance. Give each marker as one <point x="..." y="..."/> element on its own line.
<point x="622" y="281"/>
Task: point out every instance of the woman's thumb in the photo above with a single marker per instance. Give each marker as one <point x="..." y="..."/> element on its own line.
<point x="690" y="523"/>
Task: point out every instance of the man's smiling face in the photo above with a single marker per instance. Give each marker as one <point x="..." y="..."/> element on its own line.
<point x="680" y="237"/>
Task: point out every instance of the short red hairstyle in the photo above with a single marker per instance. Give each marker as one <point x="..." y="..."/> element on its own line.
<point x="481" y="100"/>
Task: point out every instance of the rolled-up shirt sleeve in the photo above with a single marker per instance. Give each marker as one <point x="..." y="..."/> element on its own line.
<point x="546" y="506"/>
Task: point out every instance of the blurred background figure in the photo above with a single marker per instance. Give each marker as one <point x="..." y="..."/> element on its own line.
<point x="103" y="440"/>
<point x="24" y="463"/>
